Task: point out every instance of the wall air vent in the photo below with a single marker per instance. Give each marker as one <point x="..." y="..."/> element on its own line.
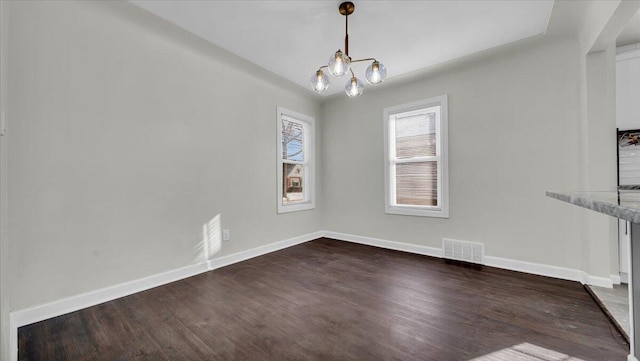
<point x="472" y="252"/>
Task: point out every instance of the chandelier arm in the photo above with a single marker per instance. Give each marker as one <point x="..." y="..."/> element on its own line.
<point x="366" y="59"/>
<point x="352" y="74"/>
<point x="323" y="67"/>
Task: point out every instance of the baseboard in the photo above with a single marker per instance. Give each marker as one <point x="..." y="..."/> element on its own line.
<point x="504" y="263"/>
<point x="624" y="277"/>
<point x="535" y="268"/>
<point x="259" y="251"/>
<point x="616" y="279"/>
<point x="540" y="269"/>
<point x="75" y="303"/>
<point x="631" y="358"/>
<point x="383" y="243"/>
<point x="597" y="281"/>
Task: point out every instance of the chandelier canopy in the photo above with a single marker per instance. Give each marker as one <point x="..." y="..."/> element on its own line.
<point x="340" y="64"/>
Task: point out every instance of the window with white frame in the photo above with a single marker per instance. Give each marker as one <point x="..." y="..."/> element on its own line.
<point x="296" y="153"/>
<point x="416" y="167"/>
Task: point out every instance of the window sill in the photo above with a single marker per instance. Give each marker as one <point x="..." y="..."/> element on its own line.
<point x="417" y="211"/>
<point x="296" y="207"/>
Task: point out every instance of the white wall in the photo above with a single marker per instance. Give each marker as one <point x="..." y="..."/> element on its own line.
<point x="127" y="135"/>
<point x="4" y="289"/>
<point x="628" y="83"/>
<point x="599" y="145"/>
<point x="514" y="132"/>
<point x="595" y="20"/>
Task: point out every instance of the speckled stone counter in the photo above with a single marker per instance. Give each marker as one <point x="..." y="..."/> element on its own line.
<point x="616" y="204"/>
<point x="623" y="205"/>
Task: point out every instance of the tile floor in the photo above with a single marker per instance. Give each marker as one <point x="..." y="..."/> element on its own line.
<point x="616" y="300"/>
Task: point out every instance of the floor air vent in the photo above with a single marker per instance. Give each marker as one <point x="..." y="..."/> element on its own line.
<point x="472" y="252"/>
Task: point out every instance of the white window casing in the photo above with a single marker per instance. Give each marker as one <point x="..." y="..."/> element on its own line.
<point x="417" y="161"/>
<point x="296" y="189"/>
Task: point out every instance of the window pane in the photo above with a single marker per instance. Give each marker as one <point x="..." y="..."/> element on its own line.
<point x="416" y="135"/>
<point x="292" y="182"/>
<point x="417" y="184"/>
<point x="292" y="138"/>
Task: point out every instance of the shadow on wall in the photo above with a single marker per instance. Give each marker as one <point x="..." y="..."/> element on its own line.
<point x="211" y="240"/>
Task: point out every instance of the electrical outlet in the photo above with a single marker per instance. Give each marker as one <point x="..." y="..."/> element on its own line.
<point x="226" y="234"/>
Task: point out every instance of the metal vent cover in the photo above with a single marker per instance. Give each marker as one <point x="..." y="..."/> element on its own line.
<point x="466" y="251"/>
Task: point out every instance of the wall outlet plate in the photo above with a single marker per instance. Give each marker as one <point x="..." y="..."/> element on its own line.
<point x="226" y="234"/>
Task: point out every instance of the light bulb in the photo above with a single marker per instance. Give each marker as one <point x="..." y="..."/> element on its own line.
<point x="319" y="82"/>
<point x="339" y="64"/>
<point x="376" y="73"/>
<point x="354" y="87"/>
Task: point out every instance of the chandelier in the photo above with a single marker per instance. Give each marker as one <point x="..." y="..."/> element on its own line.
<point x="340" y="64"/>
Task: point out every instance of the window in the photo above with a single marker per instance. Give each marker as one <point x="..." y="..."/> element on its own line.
<point x="296" y="152"/>
<point x="416" y="170"/>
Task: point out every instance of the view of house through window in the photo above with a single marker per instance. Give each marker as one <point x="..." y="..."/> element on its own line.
<point x="295" y="140"/>
<point x="293" y="161"/>
<point x="415" y="165"/>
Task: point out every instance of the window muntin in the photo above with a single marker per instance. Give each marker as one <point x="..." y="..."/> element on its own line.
<point x="295" y="161"/>
<point x="292" y="140"/>
<point x="416" y="163"/>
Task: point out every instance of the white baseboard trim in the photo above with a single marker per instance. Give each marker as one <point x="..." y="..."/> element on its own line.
<point x="57" y="308"/>
<point x="616" y="279"/>
<point x="597" y="281"/>
<point x="259" y="251"/>
<point x="631" y="358"/>
<point x="383" y="243"/>
<point x="548" y="271"/>
<point x="624" y="277"/>
<point x="535" y="268"/>
<point x="504" y="263"/>
<point x="75" y="303"/>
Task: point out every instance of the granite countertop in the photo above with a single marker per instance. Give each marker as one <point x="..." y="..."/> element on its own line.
<point x="623" y="205"/>
<point x="629" y="187"/>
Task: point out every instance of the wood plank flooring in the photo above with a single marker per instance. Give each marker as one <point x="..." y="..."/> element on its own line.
<point x="332" y="300"/>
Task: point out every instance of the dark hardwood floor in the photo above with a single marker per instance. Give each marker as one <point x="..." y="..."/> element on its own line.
<point x="332" y="300"/>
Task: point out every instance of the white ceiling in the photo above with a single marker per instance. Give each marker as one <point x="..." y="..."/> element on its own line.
<point x="293" y="38"/>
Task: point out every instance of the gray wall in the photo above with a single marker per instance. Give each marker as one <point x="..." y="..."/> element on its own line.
<point x="514" y="132"/>
<point x="127" y="135"/>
